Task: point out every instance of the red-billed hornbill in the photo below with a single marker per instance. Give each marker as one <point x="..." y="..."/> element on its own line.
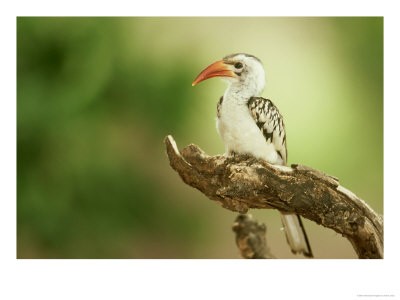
<point x="253" y="125"/>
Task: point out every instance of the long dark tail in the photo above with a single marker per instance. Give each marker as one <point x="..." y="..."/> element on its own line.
<point x="295" y="234"/>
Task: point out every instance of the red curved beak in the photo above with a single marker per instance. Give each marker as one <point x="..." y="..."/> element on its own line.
<point x="217" y="69"/>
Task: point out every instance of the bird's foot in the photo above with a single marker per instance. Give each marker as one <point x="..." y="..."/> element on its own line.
<point x="232" y="154"/>
<point x="251" y="161"/>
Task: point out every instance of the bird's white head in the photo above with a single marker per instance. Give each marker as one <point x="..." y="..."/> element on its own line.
<point x="243" y="72"/>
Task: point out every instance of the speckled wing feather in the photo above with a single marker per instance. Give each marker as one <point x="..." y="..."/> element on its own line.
<point x="219" y="104"/>
<point x="270" y="122"/>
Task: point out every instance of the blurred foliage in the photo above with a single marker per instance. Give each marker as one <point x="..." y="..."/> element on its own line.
<point x="96" y="97"/>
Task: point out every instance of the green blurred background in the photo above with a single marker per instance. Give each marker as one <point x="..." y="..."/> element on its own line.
<point x="97" y="96"/>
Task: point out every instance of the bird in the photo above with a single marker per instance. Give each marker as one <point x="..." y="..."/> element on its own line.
<point x="251" y="125"/>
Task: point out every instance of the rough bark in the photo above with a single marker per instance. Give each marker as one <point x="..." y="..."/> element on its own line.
<point x="241" y="182"/>
<point x="250" y="237"/>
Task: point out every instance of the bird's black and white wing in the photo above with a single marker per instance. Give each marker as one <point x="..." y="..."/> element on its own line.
<point x="270" y="122"/>
<point x="219" y="104"/>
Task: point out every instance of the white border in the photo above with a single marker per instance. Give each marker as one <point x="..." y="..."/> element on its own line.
<point x="196" y="279"/>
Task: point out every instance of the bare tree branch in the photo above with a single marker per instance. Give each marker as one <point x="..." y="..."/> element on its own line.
<point x="250" y="237"/>
<point x="239" y="183"/>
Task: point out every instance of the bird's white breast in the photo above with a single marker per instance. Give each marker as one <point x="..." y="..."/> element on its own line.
<point x="240" y="134"/>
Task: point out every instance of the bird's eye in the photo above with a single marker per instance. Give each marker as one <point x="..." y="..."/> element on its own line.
<point x="238" y="65"/>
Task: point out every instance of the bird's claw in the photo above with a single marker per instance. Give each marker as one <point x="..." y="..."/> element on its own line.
<point x="251" y="161"/>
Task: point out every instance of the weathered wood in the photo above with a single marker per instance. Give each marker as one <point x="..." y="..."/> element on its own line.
<point x="241" y="182"/>
<point x="250" y="237"/>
